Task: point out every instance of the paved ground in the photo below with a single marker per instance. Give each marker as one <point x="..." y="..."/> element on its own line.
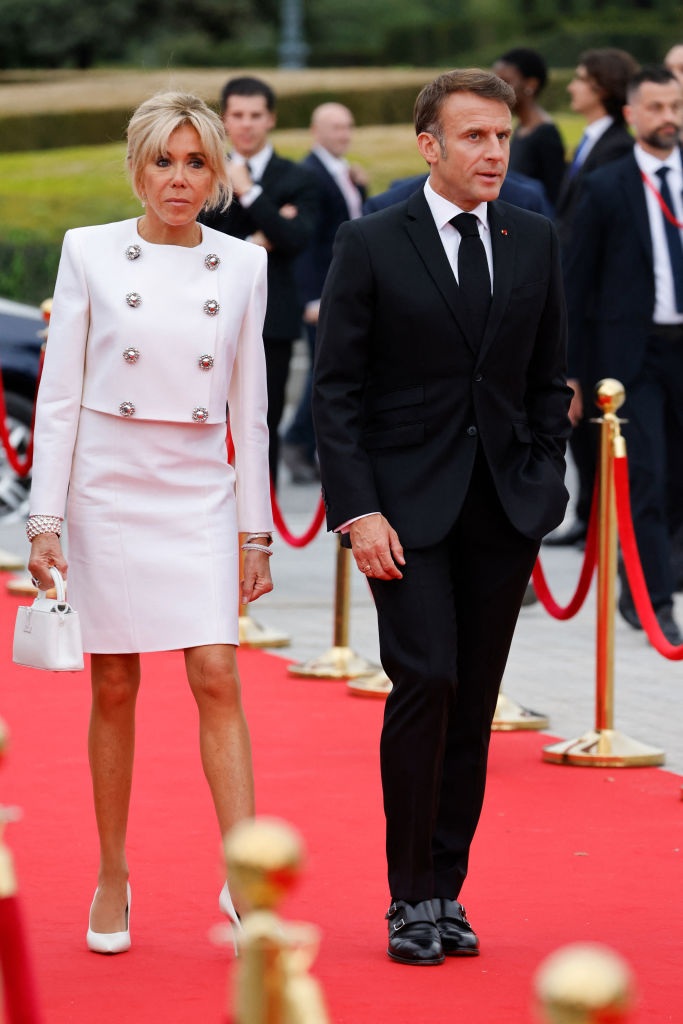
<point x="552" y="664"/>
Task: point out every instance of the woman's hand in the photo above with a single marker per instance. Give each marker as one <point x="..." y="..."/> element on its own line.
<point x="46" y="550"/>
<point x="256" y="572"/>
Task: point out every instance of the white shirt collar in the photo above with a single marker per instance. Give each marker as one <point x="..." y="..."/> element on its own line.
<point x="336" y="165"/>
<point x="443" y="210"/>
<point x="596" y="129"/>
<point x="258" y="162"/>
<point x="650" y="164"/>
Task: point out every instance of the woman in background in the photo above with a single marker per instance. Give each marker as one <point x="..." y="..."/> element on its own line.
<point x="156" y="325"/>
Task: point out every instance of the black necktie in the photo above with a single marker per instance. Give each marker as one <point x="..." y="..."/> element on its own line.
<point x="673" y="238"/>
<point x="473" y="274"/>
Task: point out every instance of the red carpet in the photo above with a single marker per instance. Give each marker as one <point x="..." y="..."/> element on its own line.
<point x="562" y="854"/>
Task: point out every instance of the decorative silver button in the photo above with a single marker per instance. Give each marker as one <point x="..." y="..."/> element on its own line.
<point x="211" y="307"/>
<point x="133" y="299"/>
<point x="133" y="252"/>
<point x="200" y="415"/>
<point x="127" y="409"/>
<point x="205" y="362"/>
<point x="211" y="261"/>
<point x="131" y="354"/>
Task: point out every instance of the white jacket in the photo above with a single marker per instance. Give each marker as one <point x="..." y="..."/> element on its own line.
<point x="152" y="307"/>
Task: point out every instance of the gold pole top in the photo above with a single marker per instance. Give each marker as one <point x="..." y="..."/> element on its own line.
<point x="264" y="858"/>
<point x="583" y="983"/>
<point x="609" y="395"/>
<point x="4" y="740"/>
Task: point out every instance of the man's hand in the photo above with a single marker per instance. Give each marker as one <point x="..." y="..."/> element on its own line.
<point x="312" y="312"/>
<point x="240" y="179"/>
<point x="376" y="548"/>
<point x="258" y="238"/>
<point x="576" y="406"/>
<point x="289" y="211"/>
<point x="359" y="176"/>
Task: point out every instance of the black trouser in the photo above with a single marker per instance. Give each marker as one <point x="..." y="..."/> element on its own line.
<point x="445" y="632"/>
<point x="278" y="355"/>
<point x="584" y="442"/>
<point x="654" y="440"/>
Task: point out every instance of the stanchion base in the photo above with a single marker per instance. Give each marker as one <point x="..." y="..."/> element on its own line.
<point x="253" y="635"/>
<point x="377" y="686"/>
<point x="606" y="748"/>
<point x="22" y="585"/>
<point x="511" y="716"/>
<point x="10" y="562"/>
<point x="336" y="663"/>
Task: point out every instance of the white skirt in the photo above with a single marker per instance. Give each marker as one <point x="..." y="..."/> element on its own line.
<point x="153" y="547"/>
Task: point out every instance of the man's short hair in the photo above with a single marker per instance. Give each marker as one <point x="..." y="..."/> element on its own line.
<point x="657" y="73"/>
<point x="427" y="111"/>
<point x="611" y="70"/>
<point x="247" y="86"/>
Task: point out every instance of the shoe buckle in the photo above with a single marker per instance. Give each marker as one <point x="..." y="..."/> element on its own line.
<point x="399" y="924"/>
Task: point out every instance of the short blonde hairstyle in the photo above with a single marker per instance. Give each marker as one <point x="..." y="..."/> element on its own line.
<point x="152" y="125"/>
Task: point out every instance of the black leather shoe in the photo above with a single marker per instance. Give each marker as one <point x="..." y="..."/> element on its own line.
<point x="627" y="609"/>
<point x="668" y="625"/>
<point x="413" y="935"/>
<point x="574" y="535"/>
<point x="457" y="936"/>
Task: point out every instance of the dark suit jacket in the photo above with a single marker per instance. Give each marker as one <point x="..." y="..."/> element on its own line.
<point x="516" y="189"/>
<point x="314" y="262"/>
<point x="283" y="182"/>
<point x="616" y="142"/>
<point x="609" y="275"/>
<point x="401" y="398"/>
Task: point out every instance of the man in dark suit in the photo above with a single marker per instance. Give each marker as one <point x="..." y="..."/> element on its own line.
<point x="275" y="206"/>
<point x="341" y="191"/>
<point x="598" y="93"/>
<point x="441" y="415"/>
<point x="624" y="279"/>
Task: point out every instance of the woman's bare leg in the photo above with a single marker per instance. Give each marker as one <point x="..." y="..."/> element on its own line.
<point x="223" y="734"/>
<point x="111" y="743"/>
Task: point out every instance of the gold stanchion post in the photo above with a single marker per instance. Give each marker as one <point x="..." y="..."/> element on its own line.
<point x="584" y="983"/>
<point x="510" y="716"/>
<point x="605" y="747"/>
<point x="251" y="634"/>
<point x="339" y="661"/>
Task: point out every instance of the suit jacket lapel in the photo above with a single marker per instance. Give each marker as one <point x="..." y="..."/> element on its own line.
<point x="503" y="245"/>
<point x="425" y="237"/>
<point x="636" y="207"/>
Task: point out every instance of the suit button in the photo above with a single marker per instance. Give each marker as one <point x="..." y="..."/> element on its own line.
<point x="472" y="431"/>
<point x="478" y="377"/>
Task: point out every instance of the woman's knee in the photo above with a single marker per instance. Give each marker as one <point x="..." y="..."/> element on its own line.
<point x="115" y="681"/>
<point x="215" y="681"/>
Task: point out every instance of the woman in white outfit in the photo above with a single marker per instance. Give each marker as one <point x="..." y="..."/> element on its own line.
<point x="156" y="326"/>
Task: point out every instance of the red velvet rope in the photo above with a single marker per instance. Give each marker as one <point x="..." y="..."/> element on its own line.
<point x="587" y="569"/>
<point x="634" y="569"/>
<point x="22" y="467"/>
<point x="281" y="525"/>
<point x="21" y="1001"/>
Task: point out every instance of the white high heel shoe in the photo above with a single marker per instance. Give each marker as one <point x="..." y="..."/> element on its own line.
<point x="226" y="907"/>
<point x="110" y="942"/>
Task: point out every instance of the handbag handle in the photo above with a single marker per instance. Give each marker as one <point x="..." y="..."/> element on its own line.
<point x="58" y="581"/>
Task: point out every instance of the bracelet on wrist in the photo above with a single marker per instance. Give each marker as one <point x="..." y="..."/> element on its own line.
<point x="35" y="525"/>
<point x="257" y="547"/>
<point x="267" y="538"/>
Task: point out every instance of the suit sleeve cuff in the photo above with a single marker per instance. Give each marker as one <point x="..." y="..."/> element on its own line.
<point x="344" y="528"/>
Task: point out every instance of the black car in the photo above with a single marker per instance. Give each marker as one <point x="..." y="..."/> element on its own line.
<point x="22" y="331"/>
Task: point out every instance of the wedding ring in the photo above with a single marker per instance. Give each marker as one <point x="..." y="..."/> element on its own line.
<point x="367" y="568"/>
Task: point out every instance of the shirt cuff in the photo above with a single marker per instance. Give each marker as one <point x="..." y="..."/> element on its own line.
<point x="247" y="198"/>
<point x="344" y="528"/>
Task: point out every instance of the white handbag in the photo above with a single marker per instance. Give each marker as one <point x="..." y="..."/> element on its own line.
<point x="47" y="633"/>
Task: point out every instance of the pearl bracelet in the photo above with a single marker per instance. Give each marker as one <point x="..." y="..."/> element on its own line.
<point x="35" y="525"/>
<point x="257" y="547"/>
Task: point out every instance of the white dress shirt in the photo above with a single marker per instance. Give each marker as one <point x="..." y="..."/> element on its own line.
<point x="257" y="165"/>
<point x="591" y="133"/>
<point x="665" y="311"/>
<point x="338" y="167"/>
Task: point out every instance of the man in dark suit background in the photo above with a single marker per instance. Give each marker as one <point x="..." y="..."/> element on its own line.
<point x="275" y="206"/>
<point x="598" y="93"/>
<point x="341" y="191"/>
<point x="440" y="407"/>
<point x="624" y="278"/>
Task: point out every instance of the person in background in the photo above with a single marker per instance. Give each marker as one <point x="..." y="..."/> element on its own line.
<point x="275" y="206"/>
<point x="341" y="191"/>
<point x="674" y="61"/>
<point x="156" y="325"/>
<point x="624" y="281"/>
<point x="536" y="149"/>
<point x="598" y="92"/>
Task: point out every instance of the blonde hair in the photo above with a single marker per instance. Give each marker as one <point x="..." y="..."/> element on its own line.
<point x="152" y="125"/>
